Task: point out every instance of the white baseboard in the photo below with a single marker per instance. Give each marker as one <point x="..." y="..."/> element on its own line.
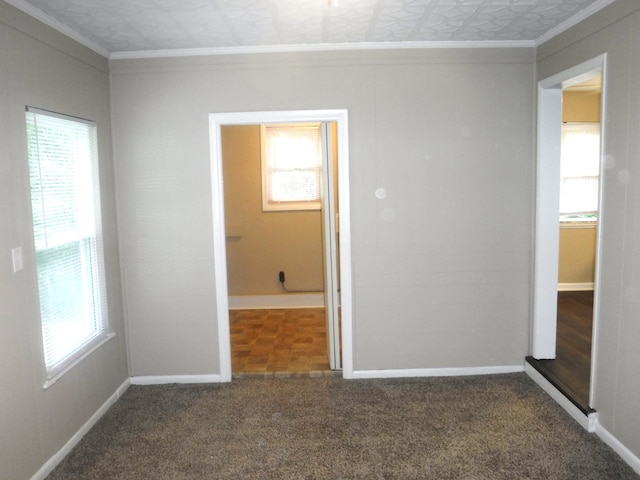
<point x="289" y="300"/>
<point x="164" y="379"/>
<point x="48" y="467"/>
<point x="615" y="444"/>
<point x="575" y="287"/>
<point x="437" y="372"/>
<point x="588" y="422"/>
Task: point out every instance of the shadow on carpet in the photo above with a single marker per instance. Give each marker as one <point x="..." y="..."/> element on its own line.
<point x="484" y="427"/>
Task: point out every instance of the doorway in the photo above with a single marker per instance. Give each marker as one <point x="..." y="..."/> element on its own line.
<point x="339" y="330"/>
<point x="280" y="252"/>
<point x="565" y="323"/>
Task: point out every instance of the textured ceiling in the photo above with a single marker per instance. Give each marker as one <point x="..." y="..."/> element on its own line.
<point x="119" y="26"/>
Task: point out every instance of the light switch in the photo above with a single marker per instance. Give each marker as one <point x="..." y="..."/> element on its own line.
<point x="16" y="254"/>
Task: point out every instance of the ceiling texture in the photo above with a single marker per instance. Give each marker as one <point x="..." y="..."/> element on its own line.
<point x="130" y="28"/>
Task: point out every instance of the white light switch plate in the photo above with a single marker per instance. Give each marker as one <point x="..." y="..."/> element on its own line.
<point x="16" y="254"/>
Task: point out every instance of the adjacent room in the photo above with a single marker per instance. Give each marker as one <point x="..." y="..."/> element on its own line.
<point x="162" y="270"/>
<point x="278" y="248"/>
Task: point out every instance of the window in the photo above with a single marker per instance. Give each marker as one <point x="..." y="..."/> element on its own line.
<point x="291" y="166"/>
<point x="579" y="171"/>
<point x="65" y="204"/>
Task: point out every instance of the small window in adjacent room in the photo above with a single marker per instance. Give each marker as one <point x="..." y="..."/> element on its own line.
<point x="65" y="202"/>
<point x="291" y="166"/>
<point x="579" y="172"/>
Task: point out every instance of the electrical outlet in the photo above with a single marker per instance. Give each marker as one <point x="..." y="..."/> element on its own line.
<point x="281" y="277"/>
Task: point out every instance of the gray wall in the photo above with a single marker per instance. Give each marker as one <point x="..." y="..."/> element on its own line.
<point x="441" y="266"/>
<point x="41" y="68"/>
<point x="615" y="31"/>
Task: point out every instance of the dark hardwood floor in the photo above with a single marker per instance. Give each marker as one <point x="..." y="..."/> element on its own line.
<point x="571" y="369"/>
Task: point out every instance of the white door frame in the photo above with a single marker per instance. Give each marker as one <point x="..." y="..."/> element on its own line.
<point x="216" y="121"/>
<point x="546" y="251"/>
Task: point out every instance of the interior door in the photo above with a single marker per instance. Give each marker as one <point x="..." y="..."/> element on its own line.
<point x="330" y="248"/>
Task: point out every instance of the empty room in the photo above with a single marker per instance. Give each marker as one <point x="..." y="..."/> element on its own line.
<point x="428" y="236"/>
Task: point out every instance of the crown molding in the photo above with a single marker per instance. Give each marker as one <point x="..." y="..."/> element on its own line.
<point x="321" y="47"/>
<point x="56" y="25"/>
<point x="574" y="20"/>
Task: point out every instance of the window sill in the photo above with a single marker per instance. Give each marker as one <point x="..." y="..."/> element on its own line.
<point x="291" y="207"/>
<point x="582" y="224"/>
<point x="78" y="357"/>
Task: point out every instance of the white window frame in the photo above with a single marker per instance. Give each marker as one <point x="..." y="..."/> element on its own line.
<point x="268" y="169"/>
<point x="84" y="309"/>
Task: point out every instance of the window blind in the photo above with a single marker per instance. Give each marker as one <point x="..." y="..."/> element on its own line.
<point x="579" y="168"/>
<point x="65" y="203"/>
<point x="292" y="165"/>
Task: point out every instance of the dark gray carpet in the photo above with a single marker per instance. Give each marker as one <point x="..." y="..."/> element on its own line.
<point x="487" y="427"/>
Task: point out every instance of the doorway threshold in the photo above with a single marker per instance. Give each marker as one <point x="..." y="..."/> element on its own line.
<point x="559" y="385"/>
<point x="588" y="421"/>
<point x="284" y="374"/>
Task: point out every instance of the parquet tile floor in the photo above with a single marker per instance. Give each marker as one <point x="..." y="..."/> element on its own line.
<point x="278" y="340"/>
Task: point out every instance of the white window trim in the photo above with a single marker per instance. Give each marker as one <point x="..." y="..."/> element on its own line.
<point x="78" y="356"/>
<point x="57" y="371"/>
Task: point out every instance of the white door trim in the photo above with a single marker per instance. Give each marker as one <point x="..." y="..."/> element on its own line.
<point x="546" y="249"/>
<point x="216" y="121"/>
<point x="545" y="301"/>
